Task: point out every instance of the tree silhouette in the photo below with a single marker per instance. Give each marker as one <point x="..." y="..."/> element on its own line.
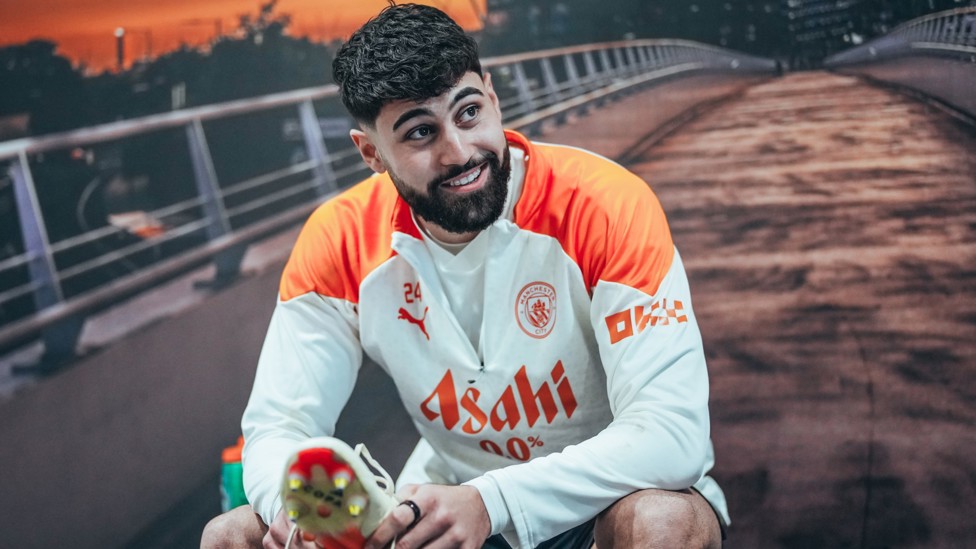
<point x="262" y="58"/>
<point x="40" y="82"/>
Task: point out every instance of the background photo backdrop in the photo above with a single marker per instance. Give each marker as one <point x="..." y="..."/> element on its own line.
<point x="815" y="158"/>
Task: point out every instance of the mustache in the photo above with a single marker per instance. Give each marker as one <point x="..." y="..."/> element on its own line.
<point x="491" y="158"/>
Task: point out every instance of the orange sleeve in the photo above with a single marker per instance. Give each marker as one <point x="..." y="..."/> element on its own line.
<point x="607" y="218"/>
<point x="627" y="238"/>
<point x="342" y="242"/>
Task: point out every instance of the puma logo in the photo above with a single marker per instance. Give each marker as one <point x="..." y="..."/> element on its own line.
<point x="404" y="315"/>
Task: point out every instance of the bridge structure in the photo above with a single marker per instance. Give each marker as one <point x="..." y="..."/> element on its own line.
<point x="827" y="222"/>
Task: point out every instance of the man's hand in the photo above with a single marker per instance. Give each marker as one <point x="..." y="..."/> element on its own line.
<point x="451" y="516"/>
<point x="278" y="532"/>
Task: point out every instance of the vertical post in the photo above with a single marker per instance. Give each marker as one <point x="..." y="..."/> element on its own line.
<point x="525" y="94"/>
<point x="228" y="263"/>
<point x="618" y="58"/>
<point x="642" y="57"/>
<point x="590" y="65"/>
<point x="632" y="64"/>
<point x="61" y="339"/>
<point x="552" y="88"/>
<point x="605" y="63"/>
<point x="571" y="73"/>
<point x="206" y="180"/>
<point x="581" y="83"/>
<point x="325" y="179"/>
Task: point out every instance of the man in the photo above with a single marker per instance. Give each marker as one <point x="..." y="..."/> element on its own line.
<point x="528" y="303"/>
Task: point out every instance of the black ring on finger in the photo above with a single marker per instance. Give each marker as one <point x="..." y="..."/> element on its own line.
<point x="416" y="512"/>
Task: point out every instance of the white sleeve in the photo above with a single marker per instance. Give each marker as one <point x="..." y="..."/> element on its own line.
<point x="659" y="437"/>
<point x="306" y="372"/>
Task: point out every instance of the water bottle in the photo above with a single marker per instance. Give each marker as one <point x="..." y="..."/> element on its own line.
<point x="232" y="477"/>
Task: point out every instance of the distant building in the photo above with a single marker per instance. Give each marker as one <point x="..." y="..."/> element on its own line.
<point x="819" y="28"/>
<point x="800" y="33"/>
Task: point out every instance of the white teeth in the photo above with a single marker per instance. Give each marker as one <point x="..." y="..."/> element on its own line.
<point x="466" y="180"/>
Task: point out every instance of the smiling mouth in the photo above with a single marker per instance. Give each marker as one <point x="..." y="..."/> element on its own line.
<point x="465" y="179"/>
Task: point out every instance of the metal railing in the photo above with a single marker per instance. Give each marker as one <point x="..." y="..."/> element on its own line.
<point x="933" y="57"/>
<point x="949" y="33"/>
<point x="180" y="189"/>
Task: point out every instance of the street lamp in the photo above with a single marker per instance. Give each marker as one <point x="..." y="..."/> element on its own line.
<point x="120" y="48"/>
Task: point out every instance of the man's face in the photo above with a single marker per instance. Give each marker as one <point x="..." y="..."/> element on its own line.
<point x="447" y="156"/>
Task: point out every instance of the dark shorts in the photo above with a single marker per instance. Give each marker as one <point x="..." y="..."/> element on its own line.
<point x="580" y="537"/>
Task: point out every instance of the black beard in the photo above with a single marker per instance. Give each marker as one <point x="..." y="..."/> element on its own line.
<point x="467" y="212"/>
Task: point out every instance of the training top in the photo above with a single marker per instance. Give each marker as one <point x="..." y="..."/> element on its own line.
<point x="588" y="381"/>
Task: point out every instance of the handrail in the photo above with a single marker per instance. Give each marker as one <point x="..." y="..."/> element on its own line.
<point x="932" y="57"/>
<point x="223" y="216"/>
<point x="126" y="128"/>
<point x="950" y="33"/>
<point x="142" y="280"/>
<point x="932" y="17"/>
<point x="597" y="46"/>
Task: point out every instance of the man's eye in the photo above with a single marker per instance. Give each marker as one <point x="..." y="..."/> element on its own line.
<point x="419" y="133"/>
<point x="469" y="113"/>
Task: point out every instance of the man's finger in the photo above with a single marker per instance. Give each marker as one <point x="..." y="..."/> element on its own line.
<point x="397" y="522"/>
<point x="278" y="534"/>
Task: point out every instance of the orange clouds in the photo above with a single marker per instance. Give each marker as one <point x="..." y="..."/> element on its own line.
<point x="84" y="28"/>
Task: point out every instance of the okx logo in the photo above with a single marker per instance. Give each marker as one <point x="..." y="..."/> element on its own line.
<point x="624" y="324"/>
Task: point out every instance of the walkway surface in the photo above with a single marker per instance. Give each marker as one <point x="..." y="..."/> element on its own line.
<point x="829" y="231"/>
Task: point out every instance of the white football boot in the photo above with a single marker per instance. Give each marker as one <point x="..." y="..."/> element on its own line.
<point x="330" y="491"/>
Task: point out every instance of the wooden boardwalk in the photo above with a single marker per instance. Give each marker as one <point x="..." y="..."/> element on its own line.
<point x="829" y="231"/>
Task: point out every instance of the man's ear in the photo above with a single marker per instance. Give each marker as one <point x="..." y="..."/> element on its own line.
<point x="491" y="92"/>
<point x="367" y="150"/>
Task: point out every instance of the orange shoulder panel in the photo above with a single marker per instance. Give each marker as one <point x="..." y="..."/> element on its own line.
<point x="344" y="240"/>
<point x="607" y="219"/>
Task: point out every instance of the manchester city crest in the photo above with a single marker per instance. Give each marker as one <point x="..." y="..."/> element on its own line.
<point x="535" y="309"/>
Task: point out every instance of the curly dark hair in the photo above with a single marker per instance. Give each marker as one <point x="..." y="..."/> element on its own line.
<point x="408" y="51"/>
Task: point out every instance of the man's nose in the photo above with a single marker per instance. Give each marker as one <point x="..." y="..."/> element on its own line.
<point x="454" y="149"/>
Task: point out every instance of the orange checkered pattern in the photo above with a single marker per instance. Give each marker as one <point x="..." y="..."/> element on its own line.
<point x="666" y="314"/>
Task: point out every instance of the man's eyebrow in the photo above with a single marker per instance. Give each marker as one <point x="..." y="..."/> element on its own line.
<point x="419" y="111"/>
<point x="470" y="90"/>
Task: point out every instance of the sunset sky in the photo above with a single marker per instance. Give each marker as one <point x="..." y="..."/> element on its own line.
<point x="84" y="29"/>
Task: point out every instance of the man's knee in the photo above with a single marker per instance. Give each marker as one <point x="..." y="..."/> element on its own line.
<point x="236" y="529"/>
<point x="659" y="518"/>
